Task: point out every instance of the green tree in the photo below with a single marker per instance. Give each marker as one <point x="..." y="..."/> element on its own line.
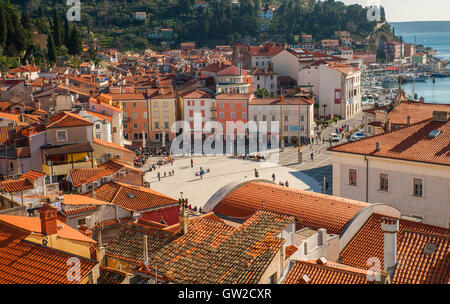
<point x="57" y="29"/>
<point x="51" y="48"/>
<point x="3" y="26"/>
<point x="66" y="33"/>
<point x="76" y="46"/>
<point x="262" y="93"/>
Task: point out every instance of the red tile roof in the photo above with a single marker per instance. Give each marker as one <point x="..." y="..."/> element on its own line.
<point x="328" y="273"/>
<point x="417" y="111"/>
<point x="33" y="224"/>
<point x="24" y="262"/>
<point x="111" y="145"/>
<point x="216" y="253"/>
<point x="133" y="198"/>
<point x="411" y="237"/>
<point x="66" y="119"/>
<point x="310" y="209"/>
<point x="10" y="186"/>
<point x="73" y="211"/>
<point x="33" y="175"/>
<point x="410" y="143"/>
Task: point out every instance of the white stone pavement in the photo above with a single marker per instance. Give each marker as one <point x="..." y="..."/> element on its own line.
<point x="223" y="170"/>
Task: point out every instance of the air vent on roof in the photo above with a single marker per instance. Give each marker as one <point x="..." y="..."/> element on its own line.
<point x="131" y="195"/>
<point x="434" y="133"/>
<point x="429" y="248"/>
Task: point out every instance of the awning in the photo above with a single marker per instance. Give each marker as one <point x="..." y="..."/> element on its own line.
<point x="68" y="149"/>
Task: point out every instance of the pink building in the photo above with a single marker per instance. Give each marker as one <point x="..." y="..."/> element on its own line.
<point x="367" y="58"/>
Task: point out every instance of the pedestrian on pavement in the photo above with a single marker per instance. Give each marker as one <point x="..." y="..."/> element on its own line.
<point x="287" y="184"/>
<point x="273" y="177"/>
<point x="159" y="176"/>
<point x="192" y="163"/>
<point x="323" y="140"/>
<point x="171" y="161"/>
<point x="173" y="172"/>
<point x="312" y="156"/>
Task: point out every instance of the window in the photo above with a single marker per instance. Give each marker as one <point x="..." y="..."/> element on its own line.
<point x="286" y="118"/>
<point x="124" y="104"/>
<point x="221" y="104"/>
<point x="244" y="115"/>
<point x="166" y="104"/>
<point x="156" y="114"/>
<point x="155" y="104"/>
<point x="144" y="104"/>
<point x="232" y="115"/>
<point x="273" y="117"/>
<point x="232" y="105"/>
<point x="61" y="135"/>
<point x="166" y="125"/>
<point x="352" y="177"/>
<point x="203" y="113"/>
<point x="202" y="103"/>
<point x="418" y="187"/>
<point x="191" y="113"/>
<point x="384" y="182"/>
<point x="81" y="222"/>
<point x="125" y="135"/>
<point x="156" y="125"/>
<point x="273" y="279"/>
<point x="264" y="118"/>
<point x="255" y="118"/>
<point x="222" y="115"/>
<point x="302" y="118"/>
<point x="144" y="125"/>
<point x="97" y="135"/>
<point x="134" y="105"/>
<point x="166" y="114"/>
<point x="97" y="126"/>
<point x="125" y="126"/>
<point x="134" y="115"/>
<point x="145" y="114"/>
<point x="135" y="126"/>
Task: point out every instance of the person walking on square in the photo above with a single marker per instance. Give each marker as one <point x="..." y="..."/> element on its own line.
<point x="192" y="163"/>
<point x="159" y="176"/>
<point x="287" y="184"/>
<point x="273" y="177"/>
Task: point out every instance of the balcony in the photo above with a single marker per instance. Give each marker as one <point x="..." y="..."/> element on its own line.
<point x="64" y="168"/>
<point x="126" y="119"/>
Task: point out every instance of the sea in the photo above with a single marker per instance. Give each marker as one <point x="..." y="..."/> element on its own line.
<point x="438" y="92"/>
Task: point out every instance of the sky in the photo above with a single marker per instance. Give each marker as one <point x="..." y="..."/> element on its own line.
<point x="411" y="10"/>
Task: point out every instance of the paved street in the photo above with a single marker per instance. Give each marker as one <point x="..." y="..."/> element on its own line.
<point x="308" y="175"/>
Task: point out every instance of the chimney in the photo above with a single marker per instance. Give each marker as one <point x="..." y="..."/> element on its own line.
<point x="145" y="250"/>
<point x="388" y="126"/>
<point x="378" y="147"/>
<point x="441" y="116"/>
<point x="183" y="216"/>
<point x="390" y="229"/>
<point x="408" y="120"/>
<point x="47" y="214"/>
<point x="304" y="279"/>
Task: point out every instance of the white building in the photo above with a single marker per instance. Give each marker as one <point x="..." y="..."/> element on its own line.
<point x="408" y="168"/>
<point x="268" y="109"/>
<point x="101" y="124"/>
<point x="198" y="101"/>
<point x="337" y="87"/>
<point x="290" y="62"/>
<point x="265" y="79"/>
<point x="116" y="118"/>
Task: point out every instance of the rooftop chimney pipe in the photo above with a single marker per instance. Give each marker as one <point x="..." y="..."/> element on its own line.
<point x="390" y="229"/>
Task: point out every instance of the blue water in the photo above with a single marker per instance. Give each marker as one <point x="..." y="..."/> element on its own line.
<point x="439" y="92"/>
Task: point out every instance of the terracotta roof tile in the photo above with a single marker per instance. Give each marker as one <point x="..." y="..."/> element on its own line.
<point x="16" y="185"/>
<point x="329" y="273"/>
<point x="73" y="211"/>
<point x="133" y="198"/>
<point x="110" y="145"/>
<point x="411" y="143"/>
<point x="110" y="276"/>
<point x="417" y="111"/>
<point x="23" y="262"/>
<point x="310" y="209"/>
<point x="33" y="175"/>
<point x="411" y="237"/>
<point x="213" y="252"/>
<point x="33" y="224"/>
<point x="68" y="120"/>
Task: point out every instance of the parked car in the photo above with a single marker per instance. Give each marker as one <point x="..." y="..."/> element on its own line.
<point x="334" y="137"/>
<point x="358" y="135"/>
